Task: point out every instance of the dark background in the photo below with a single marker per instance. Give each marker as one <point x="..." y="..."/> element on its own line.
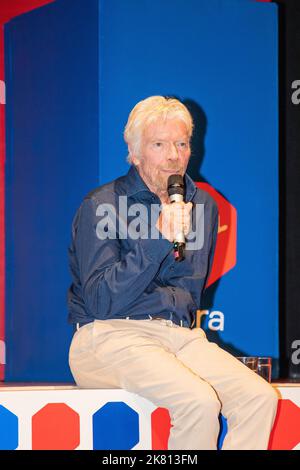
<point x="289" y="187"/>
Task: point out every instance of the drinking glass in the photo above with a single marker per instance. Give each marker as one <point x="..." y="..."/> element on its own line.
<point x="249" y="361"/>
<point x="264" y="367"/>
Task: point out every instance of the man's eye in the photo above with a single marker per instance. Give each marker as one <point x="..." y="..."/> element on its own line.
<point x="158" y="144"/>
<point x="182" y="144"/>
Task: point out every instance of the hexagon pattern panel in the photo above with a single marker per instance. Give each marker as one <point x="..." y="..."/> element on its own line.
<point x="66" y="419"/>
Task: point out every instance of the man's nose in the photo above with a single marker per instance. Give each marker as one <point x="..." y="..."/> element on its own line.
<point x="173" y="152"/>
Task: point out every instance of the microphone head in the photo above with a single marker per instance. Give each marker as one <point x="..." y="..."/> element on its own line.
<point x="175" y="185"/>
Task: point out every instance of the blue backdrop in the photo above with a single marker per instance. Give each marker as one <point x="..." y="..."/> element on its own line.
<point x="74" y="70"/>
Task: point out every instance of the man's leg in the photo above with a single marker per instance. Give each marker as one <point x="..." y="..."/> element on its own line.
<point x="248" y="402"/>
<point x="132" y="355"/>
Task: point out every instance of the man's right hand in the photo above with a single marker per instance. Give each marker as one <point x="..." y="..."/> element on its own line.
<point x="174" y="218"/>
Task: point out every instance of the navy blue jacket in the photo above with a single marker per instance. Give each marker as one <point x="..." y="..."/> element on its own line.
<point x="136" y="278"/>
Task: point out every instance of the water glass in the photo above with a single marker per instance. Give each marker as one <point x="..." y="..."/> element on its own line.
<point x="249" y="361"/>
<point x="264" y="367"/>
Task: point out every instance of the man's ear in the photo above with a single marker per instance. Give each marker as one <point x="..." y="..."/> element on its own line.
<point x="134" y="158"/>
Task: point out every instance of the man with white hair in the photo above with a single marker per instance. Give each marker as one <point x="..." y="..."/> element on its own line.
<point x="134" y="305"/>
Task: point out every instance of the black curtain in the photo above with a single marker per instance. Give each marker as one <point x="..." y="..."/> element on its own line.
<point x="289" y="187"/>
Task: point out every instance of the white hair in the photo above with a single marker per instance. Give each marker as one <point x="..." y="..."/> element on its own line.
<point x="148" y="111"/>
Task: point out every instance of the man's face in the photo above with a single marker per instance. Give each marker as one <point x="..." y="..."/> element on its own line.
<point x="164" y="150"/>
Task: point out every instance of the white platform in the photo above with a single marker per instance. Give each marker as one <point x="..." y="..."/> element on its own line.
<point x="31" y="413"/>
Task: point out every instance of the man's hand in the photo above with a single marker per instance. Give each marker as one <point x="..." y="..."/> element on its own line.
<point x="174" y="218"/>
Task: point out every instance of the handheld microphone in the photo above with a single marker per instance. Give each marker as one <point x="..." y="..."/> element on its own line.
<point x="176" y="192"/>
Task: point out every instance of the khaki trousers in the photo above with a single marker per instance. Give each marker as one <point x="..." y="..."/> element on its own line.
<point x="179" y="369"/>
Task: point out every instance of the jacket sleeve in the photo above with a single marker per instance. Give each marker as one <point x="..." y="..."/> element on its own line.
<point x="111" y="280"/>
<point x="214" y="235"/>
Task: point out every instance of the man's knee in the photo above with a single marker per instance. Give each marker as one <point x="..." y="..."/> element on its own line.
<point x="263" y="393"/>
<point x="202" y="400"/>
<point x="268" y="395"/>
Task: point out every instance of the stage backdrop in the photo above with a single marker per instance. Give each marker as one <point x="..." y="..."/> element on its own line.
<point x="74" y="70"/>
